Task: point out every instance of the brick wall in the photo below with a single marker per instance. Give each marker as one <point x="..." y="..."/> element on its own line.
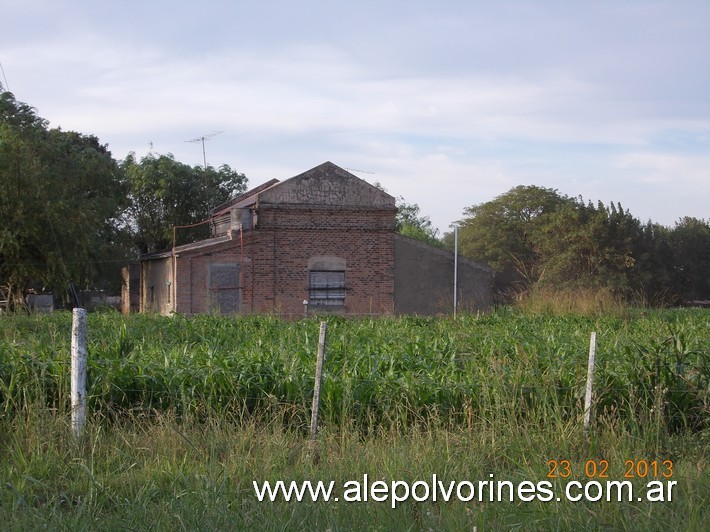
<point x="274" y="260"/>
<point x="425" y="278"/>
<point x="326" y="219"/>
<point x="286" y="238"/>
<point x="193" y="275"/>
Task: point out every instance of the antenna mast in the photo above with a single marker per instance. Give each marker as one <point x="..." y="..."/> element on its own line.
<point x="202" y="139"/>
<point x="7" y="87"/>
<point x="358" y="171"/>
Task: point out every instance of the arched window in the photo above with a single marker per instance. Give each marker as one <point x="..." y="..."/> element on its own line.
<point x="326" y="281"/>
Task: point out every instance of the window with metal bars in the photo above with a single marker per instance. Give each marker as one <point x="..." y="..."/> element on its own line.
<point x="326" y="288"/>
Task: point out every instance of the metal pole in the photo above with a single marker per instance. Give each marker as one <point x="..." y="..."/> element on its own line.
<point x="207" y="192"/>
<point x="456" y="268"/>
<point x="202" y="139"/>
<point x="173" y="288"/>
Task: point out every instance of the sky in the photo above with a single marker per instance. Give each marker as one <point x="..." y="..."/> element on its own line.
<point x="445" y="103"/>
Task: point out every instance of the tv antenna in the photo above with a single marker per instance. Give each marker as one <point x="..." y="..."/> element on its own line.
<point x="202" y="139"/>
<point x="358" y="171"/>
<point x="7" y="87"/>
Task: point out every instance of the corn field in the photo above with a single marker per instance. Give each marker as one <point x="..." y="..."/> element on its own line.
<point x="400" y="371"/>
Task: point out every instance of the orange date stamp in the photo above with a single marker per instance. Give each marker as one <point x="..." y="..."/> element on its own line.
<point x="600" y="469"/>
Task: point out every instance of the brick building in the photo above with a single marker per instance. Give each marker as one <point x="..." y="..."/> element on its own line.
<point x="323" y="241"/>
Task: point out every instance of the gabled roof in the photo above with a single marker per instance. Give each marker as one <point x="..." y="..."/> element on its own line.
<point x="326" y="184"/>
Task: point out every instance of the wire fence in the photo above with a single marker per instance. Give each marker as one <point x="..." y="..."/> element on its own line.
<point x="121" y="377"/>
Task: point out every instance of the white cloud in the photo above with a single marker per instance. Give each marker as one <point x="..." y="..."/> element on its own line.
<point x="691" y="171"/>
<point x="450" y="103"/>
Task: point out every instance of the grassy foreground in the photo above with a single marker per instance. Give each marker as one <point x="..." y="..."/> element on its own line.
<point x="186" y="415"/>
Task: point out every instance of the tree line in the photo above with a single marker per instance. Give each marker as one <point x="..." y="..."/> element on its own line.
<point x="70" y="212"/>
<point x="535" y="237"/>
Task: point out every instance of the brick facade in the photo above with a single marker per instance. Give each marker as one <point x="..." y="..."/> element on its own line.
<point x="271" y="246"/>
<point x="286" y="239"/>
<point x="324" y="216"/>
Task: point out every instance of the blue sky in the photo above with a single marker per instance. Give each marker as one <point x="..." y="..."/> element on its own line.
<point x="446" y="103"/>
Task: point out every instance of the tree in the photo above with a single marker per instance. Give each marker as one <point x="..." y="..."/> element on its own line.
<point x="583" y="246"/>
<point x="532" y="236"/>
<point x="62" y="194"/>
<point x="411" y="223"/>
<point x="690" y="240"/>
<point x="505" y="233"/>
<point x="165" y="193"/>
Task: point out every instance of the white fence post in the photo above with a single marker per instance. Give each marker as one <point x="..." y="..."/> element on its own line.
<point x="319" y="377"/>
<point x="78" y="371"/>
<point x="590" y="383"/>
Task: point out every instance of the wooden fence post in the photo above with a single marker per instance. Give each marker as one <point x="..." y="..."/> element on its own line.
<point x="78" y="371"/>
<point x="319" y="376"/>
<point x="590" y="383"/>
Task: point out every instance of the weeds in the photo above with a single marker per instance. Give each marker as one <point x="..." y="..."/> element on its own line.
<point x="185" y="413"/>
<point x="392" y="370"/>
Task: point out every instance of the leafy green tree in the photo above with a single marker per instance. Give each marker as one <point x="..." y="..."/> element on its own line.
<point x="690" y="240"/>
<point x="59" y="209"/>
<point x="165" y="193"/>
<point x="587" y="246"/>
<point x="411" y="223"/>
<point x="532" y="236"/>
<point x="653" y="274"/>
<point x="506" y="232"/>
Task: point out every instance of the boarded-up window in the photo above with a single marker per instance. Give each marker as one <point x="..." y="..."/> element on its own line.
<point x="326" y="288"/>
<point x="225" y="293"/>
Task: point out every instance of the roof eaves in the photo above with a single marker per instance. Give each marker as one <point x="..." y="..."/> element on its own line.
<point x="241" y="199"/>
<point x="187" y="247"/>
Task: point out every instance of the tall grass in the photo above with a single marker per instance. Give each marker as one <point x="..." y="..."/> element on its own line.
<point x="185" y="413"/>
<point x="169" y="471"/>
<point x="391" y="371"/>
<point x="580" y="301"/>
